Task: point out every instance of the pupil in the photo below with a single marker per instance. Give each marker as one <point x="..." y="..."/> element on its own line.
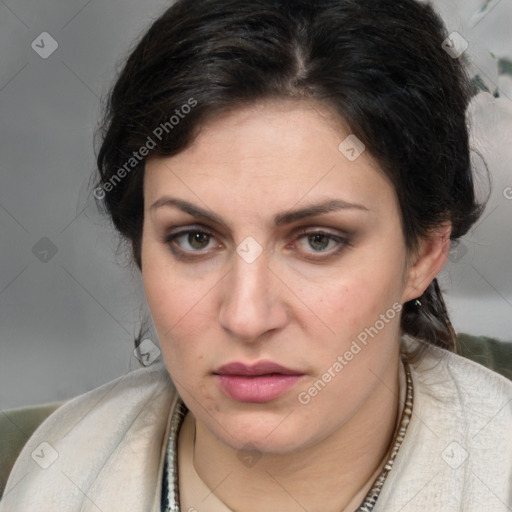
<point x="198" y="240"/>
<point x="316" y="243"/>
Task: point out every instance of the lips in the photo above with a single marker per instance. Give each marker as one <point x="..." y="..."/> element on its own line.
<point x="262" y="382"/>
<point x="258" y="369"/>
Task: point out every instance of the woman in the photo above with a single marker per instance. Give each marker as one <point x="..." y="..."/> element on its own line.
<point x="289" y="176"/>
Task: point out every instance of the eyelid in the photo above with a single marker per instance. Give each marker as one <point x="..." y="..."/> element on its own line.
<point x="184" y="230"/>
<point x="186" y="255"/>
<point x="306" y="230"/>
<point x="342" y="239"/>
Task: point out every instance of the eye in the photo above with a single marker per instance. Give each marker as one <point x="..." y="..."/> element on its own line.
<point x="195" y="242"/>
<point x="191" y="241"/>
<point x="320" y="242"/>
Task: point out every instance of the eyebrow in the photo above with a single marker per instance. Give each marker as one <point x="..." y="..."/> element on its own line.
<point x="286" y="217"/>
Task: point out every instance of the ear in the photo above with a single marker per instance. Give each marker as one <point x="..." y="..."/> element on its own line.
<point x="427" y="261"/>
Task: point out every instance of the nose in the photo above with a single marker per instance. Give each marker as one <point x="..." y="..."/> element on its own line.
<point x="251" y="303"/>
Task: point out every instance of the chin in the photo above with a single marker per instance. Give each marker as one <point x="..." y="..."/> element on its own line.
<point x="268" y="433"/>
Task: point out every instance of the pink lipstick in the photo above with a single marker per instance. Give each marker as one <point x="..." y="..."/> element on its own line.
<point x="257" y="383"/>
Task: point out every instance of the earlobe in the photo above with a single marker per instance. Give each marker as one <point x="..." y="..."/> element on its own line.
<point x="427" y="261"/>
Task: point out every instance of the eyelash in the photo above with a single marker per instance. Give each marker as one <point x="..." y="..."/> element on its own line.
<point x="184" y="255"/>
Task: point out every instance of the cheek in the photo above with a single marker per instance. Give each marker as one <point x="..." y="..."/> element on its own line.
<point x="178" y="327"/>
<point x="174" y="303"/>
<point x="170" y="296"/>
<point x="353" y="295"/>
<point x="359" y="308"/>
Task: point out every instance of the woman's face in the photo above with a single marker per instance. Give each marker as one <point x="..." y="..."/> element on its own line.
<point x="275" y="268"/>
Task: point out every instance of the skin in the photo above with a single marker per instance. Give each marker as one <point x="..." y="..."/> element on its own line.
<point x="295" y="304"/>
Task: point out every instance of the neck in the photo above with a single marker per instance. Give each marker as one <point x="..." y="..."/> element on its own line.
<point x="341" y="468"/>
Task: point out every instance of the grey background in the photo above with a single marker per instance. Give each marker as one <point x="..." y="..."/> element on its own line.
<point x="68" y="315"/>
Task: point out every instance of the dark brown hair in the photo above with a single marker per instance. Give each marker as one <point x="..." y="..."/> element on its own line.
<point x="378" y="64"/>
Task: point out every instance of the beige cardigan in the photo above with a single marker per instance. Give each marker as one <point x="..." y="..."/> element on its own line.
<point x="104" y="451"/>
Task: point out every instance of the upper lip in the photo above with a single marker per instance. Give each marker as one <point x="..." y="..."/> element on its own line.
<point x="260" y="368"/>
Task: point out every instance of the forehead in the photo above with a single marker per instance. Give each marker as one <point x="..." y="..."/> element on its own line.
<point x="276" y="151"/>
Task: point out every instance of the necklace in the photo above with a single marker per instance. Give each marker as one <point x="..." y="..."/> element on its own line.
<point x="373" y="494"/>
<point x="170" y="489"/>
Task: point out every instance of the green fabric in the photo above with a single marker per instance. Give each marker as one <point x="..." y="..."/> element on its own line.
<point x="17" y="425"/>
<point x="489" y="352"/>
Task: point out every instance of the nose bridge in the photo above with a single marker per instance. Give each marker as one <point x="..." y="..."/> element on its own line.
<point x="248" y="283"/>
<point x="249" y="305"/>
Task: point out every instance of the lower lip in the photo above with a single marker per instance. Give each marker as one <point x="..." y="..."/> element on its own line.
<point x="257" y="389"/>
